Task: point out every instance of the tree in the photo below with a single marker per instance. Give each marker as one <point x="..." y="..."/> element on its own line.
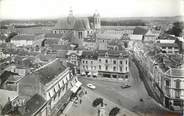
<point x="11" y="35"/>
<point x="114" y="111"/>
<point x="97" y="102"/>
<point x="176" y="29"/>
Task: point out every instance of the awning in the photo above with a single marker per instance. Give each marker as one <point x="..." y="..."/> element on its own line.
<point x="83" y="73"/>
<point x="89" y="73"/>
<point x="78" y="84"/>
<point x="95" y="74"/>
<point x="76" y="87"/>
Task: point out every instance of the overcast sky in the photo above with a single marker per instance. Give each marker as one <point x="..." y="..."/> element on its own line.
<point x="26" y="9"/>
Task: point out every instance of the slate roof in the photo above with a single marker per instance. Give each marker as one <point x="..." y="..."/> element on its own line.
<point x="46" y="57"/>
<point x="51" y="41"/>
<point x="167" y="44"/>
<point x="51" y="35"/>
<point x="5" y="75"/>
<point x="108" y="36"/>
<point x="174" y="72"/>
<point x="61" y="54"/>
<point x="33" y="104"/>
<point x="90" y="55"/>
<point x="55" y="47"/>
<point x="112" y="53"/>
<point x="24" y="37"/>
<point x="166" y="36"/>
<point x="49" y="71"/>
<point x="73" y="24"/>
<point x="139" y="31"/>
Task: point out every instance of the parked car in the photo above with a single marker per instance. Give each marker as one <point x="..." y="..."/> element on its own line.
<point x="125" y="86"/>
<point x="91" y="86"/>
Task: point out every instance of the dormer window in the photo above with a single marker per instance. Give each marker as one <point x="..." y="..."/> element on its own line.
<point x="106" y="54"/>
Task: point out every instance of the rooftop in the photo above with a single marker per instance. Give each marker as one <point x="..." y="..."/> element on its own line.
<point x="33" y="104"/>
<point x="73" y="23"/>
<point x="112" y="53"/>
<point x="49" y="71"/>
<point x="166" y="37"/>
<point x="167" y="44"/>
<point x="51" y="35"/>
<point x="90" y="55"/>
<point x="24" y="37"/>
<point x="174" y="72"/>
<point x="139" y="31"/>
<point x="108" y="36"/>
<point x="5" y="94"/>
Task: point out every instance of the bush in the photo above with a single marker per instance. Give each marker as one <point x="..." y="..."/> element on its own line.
<point x="114" y="111"/>
<point x="97" y="102"/>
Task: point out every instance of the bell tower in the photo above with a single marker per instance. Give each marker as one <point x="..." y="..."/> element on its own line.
<point x="70" y="17"/>
<point x="96" y="19"/>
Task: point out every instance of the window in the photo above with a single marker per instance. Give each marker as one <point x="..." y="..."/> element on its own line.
<point x="126" y="69"/>
<point x="169" y="47"/>
<point x="91" y="62"/>
<point x="83" y="61"/>
<point x="86" y="62"/>
<point x="114" y="68"/>
<point x="167" y="83"/>
<point x="126" y="61"/>
<point x="177" y="83"/>
<point x="177" y="102"/>
<point x="106" y="61"/>
<point x="49" y="95"/>
<point x="99" y="67"/>
<point x="121" y="69"/>
<point x="106" y="67"/>
<point x="114" y="61"/>
<point x="177" y="90"/>
<point x="80" y="35"/>
<point x="99" y="60"/>
<point x="121" y="62"/>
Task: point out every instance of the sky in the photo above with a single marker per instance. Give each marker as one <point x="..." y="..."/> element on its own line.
<point x="36" y="9"/>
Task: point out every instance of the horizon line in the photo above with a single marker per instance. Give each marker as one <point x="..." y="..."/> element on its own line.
<point x="55" y="18"/>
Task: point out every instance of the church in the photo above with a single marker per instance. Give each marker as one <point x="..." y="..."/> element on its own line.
<point x="79" y="27"/>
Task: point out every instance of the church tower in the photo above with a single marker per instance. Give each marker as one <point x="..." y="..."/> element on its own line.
<point x="97" y="21"/>
<point x="70" y="18"/>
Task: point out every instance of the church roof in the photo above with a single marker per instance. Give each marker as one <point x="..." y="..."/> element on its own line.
<point x="72" y="23"/>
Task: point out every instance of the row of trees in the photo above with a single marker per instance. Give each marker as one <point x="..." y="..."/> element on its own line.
<point x="176" y="29"/>
<point x="123" y="23"/>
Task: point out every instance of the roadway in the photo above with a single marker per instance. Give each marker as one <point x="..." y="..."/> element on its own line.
<point x="128" y="98"/>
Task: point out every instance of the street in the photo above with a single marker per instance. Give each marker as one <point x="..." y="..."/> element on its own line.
<point x="85" y="108"/>
<point x="128" y="98"/>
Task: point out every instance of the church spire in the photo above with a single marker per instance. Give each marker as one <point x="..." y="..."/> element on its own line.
<point x="70" y="12"/>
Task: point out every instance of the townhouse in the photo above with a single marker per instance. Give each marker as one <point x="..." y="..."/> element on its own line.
<point x="103" y="63"/>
